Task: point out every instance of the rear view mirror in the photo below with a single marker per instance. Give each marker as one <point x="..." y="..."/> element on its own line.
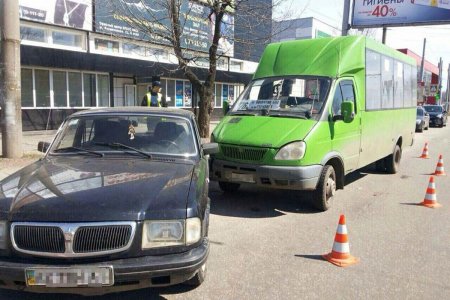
<point x="348" y="111"/>
<point x="43" y="146"/>
<point x="210" y="148"/>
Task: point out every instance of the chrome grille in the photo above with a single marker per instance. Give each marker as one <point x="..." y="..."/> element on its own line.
<point x="243" y="153"/>
<point x="101" y="238"/>
<point x="40" y="238"/>
<point x="72" y="239"/>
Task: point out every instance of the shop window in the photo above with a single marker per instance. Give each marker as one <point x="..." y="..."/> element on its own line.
<point x="170" y="93"/>
<point x="75" y="89"/>
<point x="236" y="66"/>
<point x="106" y="45"/>
<point x="27" y="87"/>
<point x="42" y="85"/>
<point x="133" y="49"/>
<point x="67" y="39"/>
<point x="59" y="89"/>
<point x="89" y="82"/>
<point x="103" y="90"/>
<point x="32" y="34"/>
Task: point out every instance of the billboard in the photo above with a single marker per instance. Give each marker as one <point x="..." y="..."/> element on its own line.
<point x="378" y="13"/>
<point x="149" y="20"/>
<point x="68" y="13"/>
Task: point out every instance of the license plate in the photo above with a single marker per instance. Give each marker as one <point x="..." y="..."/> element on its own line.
<point x="242" y="177"/>
<point x="70" y="276"/>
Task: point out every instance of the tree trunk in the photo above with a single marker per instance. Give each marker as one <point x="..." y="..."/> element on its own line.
<point x="204" y="116"/>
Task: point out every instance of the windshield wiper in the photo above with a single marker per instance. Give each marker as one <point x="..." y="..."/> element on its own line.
<point x="120" y="145"/>
<point x="287" y="115"/>
<point x="79" y="150"/>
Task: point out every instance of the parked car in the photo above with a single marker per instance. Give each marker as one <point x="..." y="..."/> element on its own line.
<point x="118" y="202"/>
<point x="422" y="119"/>
<point x="438" y="115"/>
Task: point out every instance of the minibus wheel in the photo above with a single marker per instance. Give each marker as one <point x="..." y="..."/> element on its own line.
<point x="229" y="187"/>
<point x="326" y="188"/>
<point x="392" y="162"/>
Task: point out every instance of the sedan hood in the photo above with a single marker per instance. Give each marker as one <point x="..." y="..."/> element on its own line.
<point x="77" y="189"/>
<point x="273" y="132"/>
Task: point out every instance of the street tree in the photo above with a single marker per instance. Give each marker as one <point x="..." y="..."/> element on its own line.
<point x="199" y="33"/>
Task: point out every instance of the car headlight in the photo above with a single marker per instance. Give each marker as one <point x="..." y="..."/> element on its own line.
<point x="292" y="151"/>
<point x="439" y="116"/>
<point x="3" y="235"/>
<point x="418" y="122"/>
<point x="171" y="233"/>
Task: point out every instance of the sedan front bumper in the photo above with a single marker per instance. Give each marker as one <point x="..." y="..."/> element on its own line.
<point x="129" y="274"/>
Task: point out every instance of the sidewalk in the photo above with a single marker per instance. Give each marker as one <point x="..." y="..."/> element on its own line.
<point x="30" y="140"/>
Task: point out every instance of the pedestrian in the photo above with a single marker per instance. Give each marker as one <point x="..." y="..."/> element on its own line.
<point x="154" y="97"/>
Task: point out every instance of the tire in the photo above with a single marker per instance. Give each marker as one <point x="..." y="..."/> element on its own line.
<point x="392" y="162"/>
<point x="420" y="128"/>
<point x="326" y="188"/>
<point x="198" y="278"/>
<point x="229" y="187"/>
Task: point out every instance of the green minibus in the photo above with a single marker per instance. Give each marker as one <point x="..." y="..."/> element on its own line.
<point x="315" y="111"/>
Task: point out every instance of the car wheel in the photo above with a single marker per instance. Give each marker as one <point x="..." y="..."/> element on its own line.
<point x="326" y="188"/>
<point x="198" y="278"/>
<point x="229" y="187"/>
<point x="420" y="128"/>
<point x="392" y="162"/>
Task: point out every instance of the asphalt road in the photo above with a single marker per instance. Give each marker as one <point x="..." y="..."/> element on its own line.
<point x="267" y="244"/>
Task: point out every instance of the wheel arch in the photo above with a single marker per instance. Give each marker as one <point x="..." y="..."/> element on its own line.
<point x="335" y="160"/>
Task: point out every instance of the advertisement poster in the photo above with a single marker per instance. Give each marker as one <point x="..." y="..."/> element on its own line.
<point x="187" y="94"/>
<point x="149" y="20"/>
<point x="69" y="13"/>
<point x="179" y="93"/>
<point x="375" y="13"/>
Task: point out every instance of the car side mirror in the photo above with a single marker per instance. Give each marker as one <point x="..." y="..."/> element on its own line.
<point x="348" y="111"/>
<point x="43" y="146"/>
<point x="225" y="107"/>
<point x="210" y="148"/>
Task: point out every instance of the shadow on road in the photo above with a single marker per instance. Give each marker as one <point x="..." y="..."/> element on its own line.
<point x="147" y="294"/>
<point x="310" y="256"/>
<point x="255" y="202"/>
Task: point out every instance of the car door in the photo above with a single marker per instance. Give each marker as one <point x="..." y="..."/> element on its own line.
<point x="345" y="137"/>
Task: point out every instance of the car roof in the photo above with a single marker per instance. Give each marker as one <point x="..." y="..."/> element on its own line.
<point x="136" y="110"/>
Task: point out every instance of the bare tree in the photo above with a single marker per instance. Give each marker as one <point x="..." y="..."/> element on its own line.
<point x="198" y="32"/>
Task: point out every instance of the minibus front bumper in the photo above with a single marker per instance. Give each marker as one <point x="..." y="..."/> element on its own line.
<point x="280" y="177"/>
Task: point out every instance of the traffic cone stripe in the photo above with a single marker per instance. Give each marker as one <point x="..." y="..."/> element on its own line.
<point x="430" y="196"/>
<point x="339" y="255"/>
<point x="341" y="238"/>
<point x="342" y="229"/>
<point x="341" y="247"/>
<point x="431" y="191"/>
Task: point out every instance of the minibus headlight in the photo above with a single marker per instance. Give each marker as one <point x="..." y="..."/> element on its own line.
<point x="292" y="151"/>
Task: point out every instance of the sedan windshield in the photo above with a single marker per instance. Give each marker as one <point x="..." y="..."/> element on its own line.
<point x="138" y="135"/>
<point x="284" y="96"/>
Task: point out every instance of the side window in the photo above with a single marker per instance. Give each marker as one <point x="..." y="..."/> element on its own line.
<point x="348" y="92"/>
<point x="344" y="92"/>
<point x="337" y="100"/>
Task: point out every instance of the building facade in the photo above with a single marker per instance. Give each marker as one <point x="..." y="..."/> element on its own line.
<point x="80" y="54"/>
<point x="302" y="28"/>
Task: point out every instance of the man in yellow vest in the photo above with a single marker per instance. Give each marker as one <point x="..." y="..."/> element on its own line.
<point x="154" y="97"/>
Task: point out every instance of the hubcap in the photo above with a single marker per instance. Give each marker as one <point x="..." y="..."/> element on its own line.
<point x="331" y="187"/>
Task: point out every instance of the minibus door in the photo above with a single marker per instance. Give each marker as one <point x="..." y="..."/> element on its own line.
<point x="346" y="134"/>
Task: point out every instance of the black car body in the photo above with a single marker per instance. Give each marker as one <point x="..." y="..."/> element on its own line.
<point x="438" y="115"/>
<point x="119" y="201"/>
<point x="422" y="119"/>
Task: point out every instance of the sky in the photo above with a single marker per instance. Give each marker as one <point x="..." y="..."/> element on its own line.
<point x="331" y="12"/>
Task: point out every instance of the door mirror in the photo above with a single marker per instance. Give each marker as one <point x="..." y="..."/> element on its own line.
<point x="43" y="146"/>
<point x="225" y="107"/>
<point x="348" y="111"/>
<point x="210" y="148"/>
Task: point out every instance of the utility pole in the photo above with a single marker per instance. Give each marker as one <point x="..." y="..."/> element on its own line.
<point x="422" y="63"/>
<point x="10" y="97"/>
<point x="345" y="17"/>
<point x="438" y="92"/>
<point x="447" y="92"/>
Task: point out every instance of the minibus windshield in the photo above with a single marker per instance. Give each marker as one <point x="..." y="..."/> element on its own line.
<point x="291" y="96"/>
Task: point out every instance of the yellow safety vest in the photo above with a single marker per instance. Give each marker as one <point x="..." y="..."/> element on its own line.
<point x="149" y="99"/>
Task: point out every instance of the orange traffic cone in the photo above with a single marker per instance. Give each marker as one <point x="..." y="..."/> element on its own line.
<point x="425" y="151"/>
<point x="430" y="196"/>
<point x="340" y="254"/>
<point x="440" y="167"/>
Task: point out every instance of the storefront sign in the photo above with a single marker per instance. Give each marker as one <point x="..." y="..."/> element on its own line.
<point x="69" y="13"/>
<point x="377" y="13"/>
<point x="149" y="20"/>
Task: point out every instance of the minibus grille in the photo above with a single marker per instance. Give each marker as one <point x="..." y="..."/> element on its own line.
<point x="243" y="153"/>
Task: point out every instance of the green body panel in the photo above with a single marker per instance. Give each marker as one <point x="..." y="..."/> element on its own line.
<point x="370" y="136"/>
